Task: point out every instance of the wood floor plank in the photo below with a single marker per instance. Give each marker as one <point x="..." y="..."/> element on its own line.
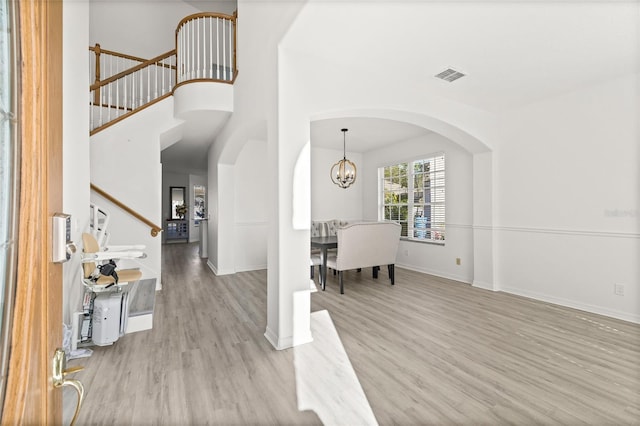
<point x="426" y="351"/>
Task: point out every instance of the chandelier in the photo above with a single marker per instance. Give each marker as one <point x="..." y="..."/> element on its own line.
<point x="343" y="173"/>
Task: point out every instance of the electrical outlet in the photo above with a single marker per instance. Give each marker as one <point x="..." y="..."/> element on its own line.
<point x="618" y="289"/>
<point x="458" y="261"/>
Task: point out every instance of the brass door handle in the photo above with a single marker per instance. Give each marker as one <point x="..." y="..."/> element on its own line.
<point x="60" y="371"/>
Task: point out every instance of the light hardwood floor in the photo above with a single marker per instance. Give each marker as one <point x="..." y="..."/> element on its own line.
<point x="426" y="351"/>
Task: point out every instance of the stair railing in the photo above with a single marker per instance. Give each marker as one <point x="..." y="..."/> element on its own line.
<point x="155" y="229"/>
<point x="106" y="63"/>
<point x="206" y="47"/>
<point x="128" y="91"/>
<point x="205" y="50"/>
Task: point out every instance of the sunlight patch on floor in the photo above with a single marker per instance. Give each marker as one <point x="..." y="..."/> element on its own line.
<point x="325" y="380"/>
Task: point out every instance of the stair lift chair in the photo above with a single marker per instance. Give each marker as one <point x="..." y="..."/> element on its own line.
<point x="110" y="300"/>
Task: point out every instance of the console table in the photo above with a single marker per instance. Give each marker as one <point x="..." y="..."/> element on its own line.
<point x="177" y="229"/>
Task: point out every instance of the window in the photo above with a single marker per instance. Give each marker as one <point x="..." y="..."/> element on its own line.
<point x="413" y="194"/>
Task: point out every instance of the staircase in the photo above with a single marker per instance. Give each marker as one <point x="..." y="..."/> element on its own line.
<point x="140" y="107"/>
<point x="124" y="84"/>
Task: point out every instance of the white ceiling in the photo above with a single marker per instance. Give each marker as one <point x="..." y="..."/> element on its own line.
<point x="513" y="52"/>
<point x="364" y="133"/>
<point x="198" y="131"/>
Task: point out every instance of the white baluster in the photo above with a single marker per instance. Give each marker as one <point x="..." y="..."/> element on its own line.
<point x="217" y="48"/>
<point x="197" y="30"/>
<point x="230" y="50"/>
<point x="117" y="98"/>
<point x="162" y="65"/>
<point x="125" y="103"/>
<point x="100" y="106"/>
<point x="187" y="52"/>
<point x="224" y="51"/>
<point x="108" y="87"/>
<point x="148" y="85"/>
<point x="91" y="108"/>
<point x="192" y="45"/>
<point x="210" y="58"/>
<point x="155" y="88"/>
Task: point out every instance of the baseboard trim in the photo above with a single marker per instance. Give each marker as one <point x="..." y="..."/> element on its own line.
<point x="483" y="285"/>
<point x="287" y="342"/>
<point x="599" y="310"/>
<point x="251" y="268"/>
<point x="276" y="342"/>
<point x="217" y="271"/>
<point x="440" y="274"/>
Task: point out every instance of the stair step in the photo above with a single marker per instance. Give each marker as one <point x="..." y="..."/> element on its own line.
<point x="141" y="305"/>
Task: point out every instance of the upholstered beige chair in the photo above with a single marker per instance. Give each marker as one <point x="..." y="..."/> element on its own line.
<point x="367" y="244"/>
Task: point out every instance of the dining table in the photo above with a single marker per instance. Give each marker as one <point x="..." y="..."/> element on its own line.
<point x="324" y="244"/>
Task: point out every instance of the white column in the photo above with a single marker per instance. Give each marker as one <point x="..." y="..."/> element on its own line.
<point x="288" y="295"/>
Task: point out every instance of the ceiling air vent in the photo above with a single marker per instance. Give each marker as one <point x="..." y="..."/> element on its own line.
<point x="449" y="75"/>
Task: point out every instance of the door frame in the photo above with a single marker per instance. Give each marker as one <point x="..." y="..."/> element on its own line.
<point x="30" y="397"/>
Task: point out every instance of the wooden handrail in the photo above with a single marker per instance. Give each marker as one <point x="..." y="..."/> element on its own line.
<point x="113" y="53"/>
<point x="138" y="67"/>
<point x="155" y="229"/>
<point x="186" y="19"/>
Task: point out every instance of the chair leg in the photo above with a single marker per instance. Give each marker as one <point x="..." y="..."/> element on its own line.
<point x="374" y="271"/>
<point x="312" y="272"/>
<point x="392" y="273"/>
<point x="341" y="283"/>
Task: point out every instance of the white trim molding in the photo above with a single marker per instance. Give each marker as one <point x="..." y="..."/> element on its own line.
<point x="218" y="272"/>
<point x="433" y="272"/>
<point x="573" y="304"/>
<point x="566" y="231"/>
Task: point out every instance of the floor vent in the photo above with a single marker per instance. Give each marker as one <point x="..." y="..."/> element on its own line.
<point x="449" y="75"/>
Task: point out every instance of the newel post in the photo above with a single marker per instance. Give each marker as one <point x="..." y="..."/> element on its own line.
<point x="96" y="93"/>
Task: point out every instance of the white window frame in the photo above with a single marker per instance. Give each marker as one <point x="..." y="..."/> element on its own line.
<point x="434" y="228"/>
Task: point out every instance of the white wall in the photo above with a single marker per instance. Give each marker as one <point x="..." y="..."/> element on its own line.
<point x="125" y="162"/>
<point x="139" y="28"/>
<point x="424" y="257"/>
<point x="552" y="173"/>
<point x="568" y="226"/>
<point x="251" y="211"/>
<point x="75" y="160"/>
<point x="329" y="201"/>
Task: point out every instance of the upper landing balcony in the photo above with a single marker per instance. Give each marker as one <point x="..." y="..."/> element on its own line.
<point x="199" y="72"/>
